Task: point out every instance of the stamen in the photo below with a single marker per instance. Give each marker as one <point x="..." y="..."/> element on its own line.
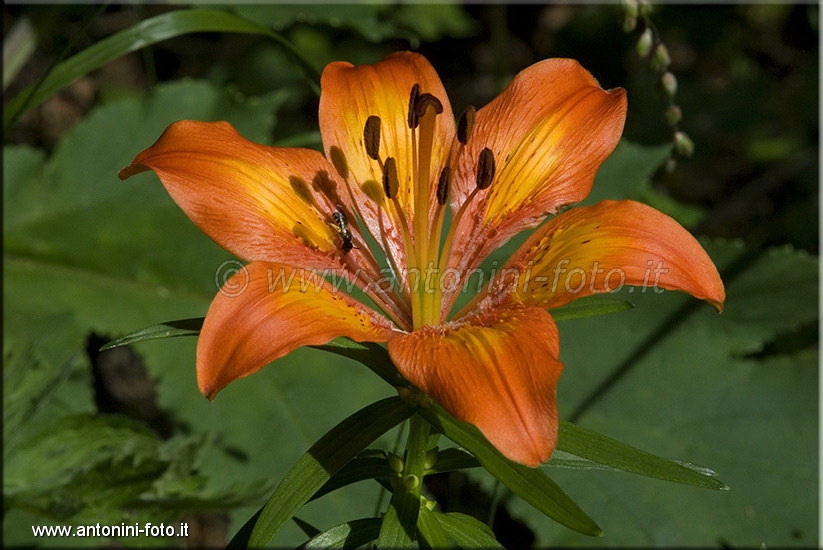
<point x="390" y="182"/>
<point x="465" y="125"/>
<point x="485" y="168"/>
<point x="413" y="118"/>
<point x="424" y="101"/>
<point x="371" y="137"/>
<point x="443" y="186"/>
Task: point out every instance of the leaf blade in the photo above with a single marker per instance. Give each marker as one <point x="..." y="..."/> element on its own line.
<point x="590" y="306"/>
<point x="138" y="36"/>
<point x="532" y="485"/>
<point x="322" y="460"/>
<point x="169" y="329"/>
<point x="351" y="534"/>
<point x="466" y="531"/>
<point x="598" y="448"/>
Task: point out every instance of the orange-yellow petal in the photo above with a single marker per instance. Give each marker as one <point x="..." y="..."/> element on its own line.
<point x="497" y="369"/>
<point x="349" y="96"/>
<point x="599" y="248"/>
<point x="258" y="202"/>
<point x="266" y="310"/>
<point x="549" y="131"/>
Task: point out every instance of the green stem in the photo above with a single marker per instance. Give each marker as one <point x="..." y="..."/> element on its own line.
<point x="416" y="448"/>
<point x="399" y="525"/>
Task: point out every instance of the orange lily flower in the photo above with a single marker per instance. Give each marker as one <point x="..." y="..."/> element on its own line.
<point x="394" y="162"/>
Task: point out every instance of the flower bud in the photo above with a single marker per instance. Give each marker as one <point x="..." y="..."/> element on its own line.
<point x="411" y="482"/>
<point x="395" y="463"/>
<point x="673" y="115"/>
<point x="644" y="8"/>
<point x="644" y="43"/>
<point x="669" y="83"/>
<point x="683" y="144"/>
<point x="629" y="23"/>
<point x="670" y="166"/>
<point x="660" y="58"/>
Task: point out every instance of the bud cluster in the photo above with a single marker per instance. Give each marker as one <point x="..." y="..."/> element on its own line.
<point x="649" y="46"/>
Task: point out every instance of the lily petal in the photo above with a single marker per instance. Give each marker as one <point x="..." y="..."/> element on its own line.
<point x="350" y="95"/>
<point x="258" y="202"/>
<point x="549" y="131"/>
<point x="266" y="310"/>
<point x="599" y="248"/>
<point x="496" y="369"/>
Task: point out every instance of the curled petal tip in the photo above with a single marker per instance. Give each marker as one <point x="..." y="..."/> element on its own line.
<point x="131" y="170"/>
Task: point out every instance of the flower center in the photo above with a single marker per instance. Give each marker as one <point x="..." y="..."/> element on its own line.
<point x="426" y="260"/>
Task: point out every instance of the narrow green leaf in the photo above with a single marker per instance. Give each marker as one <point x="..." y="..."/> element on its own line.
<point x="466" y="531"/>
<point x="530" y="484"/>
<point x="431" y="530"/>
<point x="453" y="459"/>
<point x="352" y="534"/>
<point x="590" y="306"/>
<point x="145" y="33"/>
<point x="395" y="530"/>
<point x="359" y="469"/>
<point x="603" y="450"/>
<point x="322" y="460"/>
<point x="169" y="329"/>
<point x="308" y="529"/>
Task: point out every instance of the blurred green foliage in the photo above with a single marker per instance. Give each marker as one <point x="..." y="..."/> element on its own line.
<point x="88" y="258"/>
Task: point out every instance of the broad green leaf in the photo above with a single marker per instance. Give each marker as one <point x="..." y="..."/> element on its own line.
<point x="467" y="532"/>
<point x="145" y="33"/>
<point x="626" y="173"/>
<point x="349" y="535"/>
<point x="322" y="460"/>
<point x="590" y="306"/>
<point x="170" y="329"/>
<point x="76" y="446"/>
<point x="29" y="383"/>
<point x="601" y="449"/>
<point x="431" y="530"/>
<point x="530" y="484"/>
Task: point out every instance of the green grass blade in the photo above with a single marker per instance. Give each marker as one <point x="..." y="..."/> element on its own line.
<point x="603" y="450"/>
<point x="590" y="306"/>
<point x="530" y="484"/>
<point x="345" y="536"/>
<point x="324" y="459"/>
<point x="169" y="329"/>
<point x="466" y="531"/>
<point x="145" y="33"/>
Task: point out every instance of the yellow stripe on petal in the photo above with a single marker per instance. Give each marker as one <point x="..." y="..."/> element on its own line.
<point x="597" y="249"/>
<point x="548" y="132"/>
<point x="265" y="311"/>
<point x="350" y="96"/>
<point x="497" y="369"/>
